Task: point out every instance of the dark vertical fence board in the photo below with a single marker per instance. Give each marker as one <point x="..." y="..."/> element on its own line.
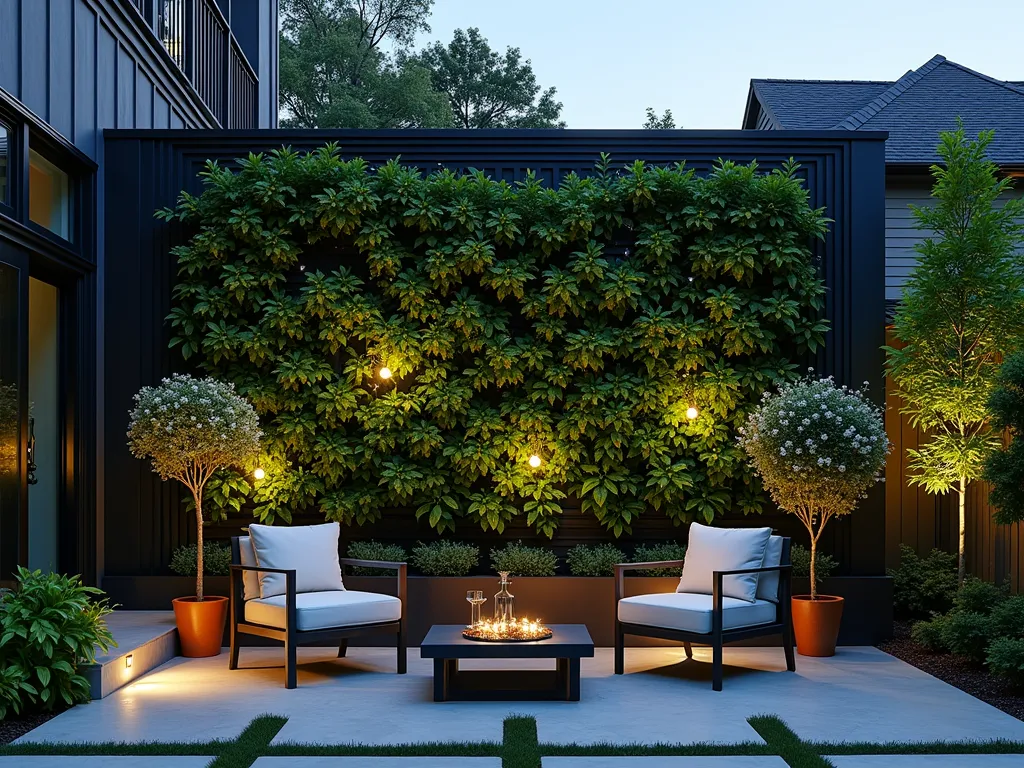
<point x="844" y="173"/>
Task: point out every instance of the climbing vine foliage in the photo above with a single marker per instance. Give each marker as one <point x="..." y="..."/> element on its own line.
<point x="577" y="324"/>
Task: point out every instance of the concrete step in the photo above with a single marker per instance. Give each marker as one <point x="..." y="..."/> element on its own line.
<point x="145" y="640"/>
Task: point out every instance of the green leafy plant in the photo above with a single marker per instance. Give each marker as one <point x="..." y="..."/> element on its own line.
<point x="978" y="596"/>
<point x="445" y="558"/>
<point x="594" y="559"/>
<point x="931" y="634"/>
<point x="656" y="551"/>
<point x="49" y="625"/>
<point x="818" y="448"/>
<point x="923" y="586"/>
<point x="962" y="312"/>
<point x="1005" y="657"/>
<point x="967" y="633"/>
<point x="1008" y="618"/>
<point x="216" y="559"/>
<point x="522" y="560"/>
<point x="573" y="326"/>
<point x="190" y="428"/>
<point x="800" y="557"/>
<point x="375" y="550"/>
<point x="1004" y="468"/>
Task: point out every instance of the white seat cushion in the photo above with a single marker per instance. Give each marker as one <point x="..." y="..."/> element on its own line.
<point x="768" y="583"/>
<point x="722" y="549"/>
<point x="692" y="613"/>
<point x="312" y="550"/>
<point x="325" y="610"/>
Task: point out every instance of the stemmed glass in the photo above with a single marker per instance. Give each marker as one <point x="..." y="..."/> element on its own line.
<point x="476" y="598"/>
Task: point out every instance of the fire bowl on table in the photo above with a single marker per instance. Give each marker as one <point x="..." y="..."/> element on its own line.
<point x="515" y="631"/>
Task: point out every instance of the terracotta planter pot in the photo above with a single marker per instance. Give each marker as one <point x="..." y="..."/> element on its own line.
<point x="200" y="624"/>
<point x="816" y="624"/>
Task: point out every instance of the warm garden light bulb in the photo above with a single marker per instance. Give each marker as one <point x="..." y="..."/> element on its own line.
<point x="385" y="372"/>
<point x="258" y="473"/>
<point x="535" y="461"/>
<point x="692" y="413"/>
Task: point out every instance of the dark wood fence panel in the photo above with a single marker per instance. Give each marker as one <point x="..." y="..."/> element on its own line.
<point x="144" y="517"/>
<point x="925" y="522"/>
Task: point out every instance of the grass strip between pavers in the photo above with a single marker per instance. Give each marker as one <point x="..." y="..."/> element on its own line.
<point x="519" y="747"/>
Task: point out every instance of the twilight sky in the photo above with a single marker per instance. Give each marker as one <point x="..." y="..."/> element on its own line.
<point x="609" y="60"/>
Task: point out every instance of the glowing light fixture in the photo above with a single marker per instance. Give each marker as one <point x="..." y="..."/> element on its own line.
<point x="692" y="413"/>
<point x="535" y="461"/>
<point x="385" y="372"/>
<point x="128" y="660"/>
<point x="258" y="473"/>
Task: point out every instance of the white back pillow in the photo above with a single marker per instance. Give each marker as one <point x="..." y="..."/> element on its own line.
<point x="768" y="584"/>
<point x="723" y="549"/>
<point x="312" y="550"/>
<point x="250" y="579"/>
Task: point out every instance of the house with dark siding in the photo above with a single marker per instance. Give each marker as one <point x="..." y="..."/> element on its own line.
<point x="914" y="109"/>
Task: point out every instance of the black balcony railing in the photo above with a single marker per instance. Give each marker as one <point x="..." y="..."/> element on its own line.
<point x="197" y="37"/>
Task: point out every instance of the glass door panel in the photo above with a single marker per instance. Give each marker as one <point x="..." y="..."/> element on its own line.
<point x="13" y="510"/>
<point x="44" y="427"/>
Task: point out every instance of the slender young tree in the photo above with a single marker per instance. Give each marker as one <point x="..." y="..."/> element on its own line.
<point x="962" y="312"/>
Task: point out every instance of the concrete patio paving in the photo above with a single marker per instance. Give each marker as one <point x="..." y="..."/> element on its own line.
<point x="861" y="694"/>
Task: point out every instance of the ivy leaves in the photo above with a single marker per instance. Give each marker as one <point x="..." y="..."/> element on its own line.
<point x="576" y="324"/>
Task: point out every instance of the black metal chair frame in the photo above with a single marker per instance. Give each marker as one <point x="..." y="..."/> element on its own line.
<point x="718" y="636"/>
<point x="290" y="635"/>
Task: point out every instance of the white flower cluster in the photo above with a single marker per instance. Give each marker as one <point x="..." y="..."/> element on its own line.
<point x="816" y="444"/>
<point x="186" y="423"/>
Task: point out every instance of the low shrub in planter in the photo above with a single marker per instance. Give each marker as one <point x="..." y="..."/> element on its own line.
<point x="594" y="560"/>
<point x="216" y="559"/>
<point x="522" y="560"/>
<point x="661" y="550"/>
<point x="375" y="550"/>
<point x="48" y="626"/>
<point x="445" y="558"/>
<point x="1006" y="658"/>
<point x="923" y="586"/>
<point x="800" y="556"/>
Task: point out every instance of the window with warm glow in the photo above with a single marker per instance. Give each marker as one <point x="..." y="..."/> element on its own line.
<point x="49" y="195"/>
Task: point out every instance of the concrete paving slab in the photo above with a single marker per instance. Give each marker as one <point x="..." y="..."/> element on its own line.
<point x="378" y="762"/>
<point x="928" y="761"/>
<point x="739" y="761"/>
<point x="98" y="761"/>
<point x="861" y="694"/>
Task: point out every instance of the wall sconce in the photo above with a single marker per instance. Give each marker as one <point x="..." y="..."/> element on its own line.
<point x="258" y="473"/>
<point x="385" y="373"/>
<point x="535" y="461"/>
<point x="129" y="660"/>
<point x="692" y="413"/>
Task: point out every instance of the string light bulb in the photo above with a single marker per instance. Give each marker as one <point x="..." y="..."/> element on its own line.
<point x="535" y="461"/>
<point x="385" y="372"/>
<point x="692" y="413"/>
<point x="258" y="473"/>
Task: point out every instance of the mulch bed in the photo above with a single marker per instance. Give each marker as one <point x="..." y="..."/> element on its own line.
<point x="955" y="670"/>
<point x="14" y="727"/>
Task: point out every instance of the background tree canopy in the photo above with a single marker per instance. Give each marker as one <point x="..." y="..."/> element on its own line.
<point x="578" y="324"/>
<point x="350" y="64"/>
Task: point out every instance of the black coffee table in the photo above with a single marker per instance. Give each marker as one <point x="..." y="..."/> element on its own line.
<point x="568" y="643"/>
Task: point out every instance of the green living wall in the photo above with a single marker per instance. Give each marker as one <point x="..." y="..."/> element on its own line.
<point x="617" y="328"/>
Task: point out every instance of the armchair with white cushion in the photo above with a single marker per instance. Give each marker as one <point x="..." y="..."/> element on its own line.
<point x="736" y="584"/>
<point x="286" y="584"/>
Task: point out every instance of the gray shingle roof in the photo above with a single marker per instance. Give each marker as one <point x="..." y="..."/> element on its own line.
<point x="913" y="109"/>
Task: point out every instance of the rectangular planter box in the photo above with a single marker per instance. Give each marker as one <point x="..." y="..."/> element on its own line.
<point x="867" y="618"/>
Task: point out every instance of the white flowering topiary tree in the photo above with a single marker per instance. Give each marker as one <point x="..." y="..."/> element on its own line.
<point x="190" y="428"/>
<point x="818" y="448"/>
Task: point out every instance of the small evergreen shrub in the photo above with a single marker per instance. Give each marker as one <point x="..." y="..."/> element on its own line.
<point x="977" y="596"/>
<point x="923" y="585"/>
<point x="931" y="634"/>
<point x="216" y="559"/>
<point x="375" y="550"/>
<point x="661" y="550"/>
<point x="967" y="633"/>
<point x="49" y="626"/>
<point x="1005" y="658"/>
<point x="800" y="556"/>
<point x="445" y="558"/>
<point x="522" y="560"/>
<point x="594" y="560"/>
<point x="1008" y="618"/>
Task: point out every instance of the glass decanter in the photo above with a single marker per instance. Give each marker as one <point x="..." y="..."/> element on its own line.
<point x="504" y="601"/>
